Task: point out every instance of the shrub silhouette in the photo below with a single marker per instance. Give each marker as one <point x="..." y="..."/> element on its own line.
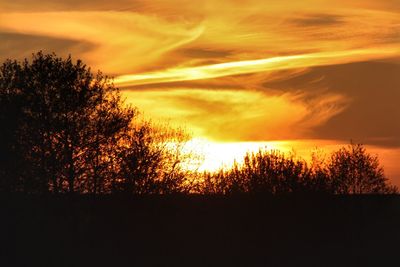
<point x="264" y="172"/>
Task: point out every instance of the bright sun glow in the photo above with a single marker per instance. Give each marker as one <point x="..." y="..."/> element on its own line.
<point x="219" y="155"/>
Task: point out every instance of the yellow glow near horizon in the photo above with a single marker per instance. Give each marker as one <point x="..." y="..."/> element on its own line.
<point x="219" y="155"/>
<point x="222" y="155"/>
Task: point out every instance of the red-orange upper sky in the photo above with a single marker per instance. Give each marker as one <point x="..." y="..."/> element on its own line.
<point x="307" y="72"/>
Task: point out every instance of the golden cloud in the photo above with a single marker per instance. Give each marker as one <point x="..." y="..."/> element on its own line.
<point x="237" y="114"/>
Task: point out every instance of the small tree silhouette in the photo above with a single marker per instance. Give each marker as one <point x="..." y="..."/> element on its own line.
<point x="153" y="161"/>
<point x="354" y="171"/>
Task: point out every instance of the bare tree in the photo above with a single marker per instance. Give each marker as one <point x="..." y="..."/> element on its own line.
<point x="154" y="160"/>
<point x="354" y="171"/>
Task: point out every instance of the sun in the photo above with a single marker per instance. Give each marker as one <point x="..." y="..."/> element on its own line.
<point x="222" y="155"/>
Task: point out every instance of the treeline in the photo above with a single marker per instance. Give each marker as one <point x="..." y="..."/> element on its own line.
<point x="65" y="129"/>
<point x="350" y="170"/>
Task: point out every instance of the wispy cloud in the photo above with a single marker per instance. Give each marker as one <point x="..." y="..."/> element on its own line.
<point x="245" y="115"/>
<point x="316" y="20"/>
<point x="122" y="41"/>
<point x="254" y="66"/>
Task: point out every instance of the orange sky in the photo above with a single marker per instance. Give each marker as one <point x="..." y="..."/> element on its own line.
<point x="236" y="73"/>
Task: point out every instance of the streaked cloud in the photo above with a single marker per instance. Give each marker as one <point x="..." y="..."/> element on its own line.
<point x="316" y="20"/>
<point x="253" y="66"/>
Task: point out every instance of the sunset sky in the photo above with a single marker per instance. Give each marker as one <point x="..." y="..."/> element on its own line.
<point x="236" y="74"/>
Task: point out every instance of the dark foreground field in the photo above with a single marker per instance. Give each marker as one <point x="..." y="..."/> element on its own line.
<point x="200" y="231"/>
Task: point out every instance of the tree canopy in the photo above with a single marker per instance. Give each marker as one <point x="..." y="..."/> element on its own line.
<point x="63" y="120"/>
<point x="353" y="170"/>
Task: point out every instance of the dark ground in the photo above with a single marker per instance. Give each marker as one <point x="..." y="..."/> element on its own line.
<point x="200" y="231"/>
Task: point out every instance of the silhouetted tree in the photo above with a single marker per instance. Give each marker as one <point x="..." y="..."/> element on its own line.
<point x="319" y="180"/>
<point x="110" y="126"/>
<point x="64" y="119"/>
<point x="354" y="171"/>
<point x="11" y="117"/>
<point x="273" y="172"/>
<point x="154" y="161"/>
<point x="212" y="183"/>
<point x="223" y="182"/>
